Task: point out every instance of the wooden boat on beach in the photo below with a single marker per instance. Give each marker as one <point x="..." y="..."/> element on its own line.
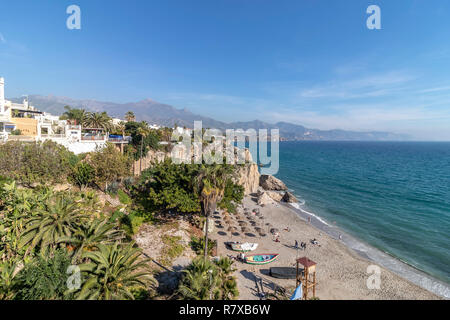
<point x="243" y="247"/>
<point x="261" y="258"/>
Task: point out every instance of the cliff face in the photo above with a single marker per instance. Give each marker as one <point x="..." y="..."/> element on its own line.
<point x="247" y="174"/>
<point x="151" y="157"/>
<point x="248" y="177"/>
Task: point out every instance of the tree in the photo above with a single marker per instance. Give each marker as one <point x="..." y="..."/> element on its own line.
<point x="210" y="186"/>
<point x="167" y="186"/>
<point x="89" y="236"/>
<point x="200" y="281"/>
<point x="206" y="280"/>
<point x="82" y="174"/>
<point x="143" y="131"/>
<point x="99" y="120"/>
<point x="129" y="116"/>
<point x="78" y="116"/>
<point x="109" y="165"/>
<point x="112" y="272"/>
<point x="60" y="217"/>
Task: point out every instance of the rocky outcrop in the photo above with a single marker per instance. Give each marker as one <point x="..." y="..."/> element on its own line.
<point x="152" y="157"/>
<point x="271" y="183"/>
<point x="289" y="197"/>
<point x="263" y="198"/>
<point x="277" y="196"/>
<point x="248" y="174"/>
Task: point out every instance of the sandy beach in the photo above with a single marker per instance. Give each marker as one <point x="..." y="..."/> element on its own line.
<point x="341" y="273"/>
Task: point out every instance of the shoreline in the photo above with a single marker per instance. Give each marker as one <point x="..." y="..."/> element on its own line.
<point x="341" y="271"/>
<point x="376" y="255"/>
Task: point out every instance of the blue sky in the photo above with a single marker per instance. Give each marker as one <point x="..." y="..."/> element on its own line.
<point x="310" y="62"/>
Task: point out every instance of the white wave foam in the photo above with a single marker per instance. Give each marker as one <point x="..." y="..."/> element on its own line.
<point x="297" y="206"/>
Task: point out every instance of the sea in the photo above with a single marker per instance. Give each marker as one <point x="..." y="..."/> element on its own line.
<point x="388" y="201"/>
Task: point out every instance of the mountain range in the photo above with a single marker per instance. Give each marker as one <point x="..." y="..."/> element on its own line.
<point x="166" y="115"/>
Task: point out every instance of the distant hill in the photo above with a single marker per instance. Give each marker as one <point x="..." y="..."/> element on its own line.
<point x="166" y="115"/>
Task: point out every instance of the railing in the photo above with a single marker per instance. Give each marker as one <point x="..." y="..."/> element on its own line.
<point x="119" y="139"/>
<point x="53" y="135"/>
<point x="93" y="138"/>
<point x="13" y="137"/>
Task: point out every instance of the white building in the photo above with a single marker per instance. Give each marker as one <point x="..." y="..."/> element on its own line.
<point x="42" y="126"/>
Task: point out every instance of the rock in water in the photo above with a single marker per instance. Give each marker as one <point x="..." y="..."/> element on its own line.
<point x="289" y="197"/>
<point x="269" y="182"/>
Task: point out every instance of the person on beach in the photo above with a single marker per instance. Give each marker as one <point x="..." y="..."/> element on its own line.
<point x="296" y="244"/>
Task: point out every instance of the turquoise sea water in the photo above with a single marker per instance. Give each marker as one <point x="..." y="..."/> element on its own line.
<point x="394" y="196"/>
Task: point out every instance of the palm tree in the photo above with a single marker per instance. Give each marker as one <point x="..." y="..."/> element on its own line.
<point x="79" y="116"/>
<point x="143" y="131"/>
<point x="89" y="236"/>
<point x="201" y="281"/>
<point x="61" y="216"/>
<point x="98" y="120"/>
<point x="210" y="185"/>
<point x="129" y="116"/>
<point x="112" y="271"/>
<point x="120" y="127"/>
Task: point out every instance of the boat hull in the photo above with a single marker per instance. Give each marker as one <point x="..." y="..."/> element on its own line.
<point x="242" y="247"/>
<point x="261" y="258"/>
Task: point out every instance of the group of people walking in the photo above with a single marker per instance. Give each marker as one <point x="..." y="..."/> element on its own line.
<point x="302" y="245"/>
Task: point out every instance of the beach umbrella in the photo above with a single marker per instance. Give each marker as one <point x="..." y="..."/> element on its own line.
<point x="258" y="229"/>
<point x="262" y="234"/>
<point x="231" y="229"/>
<point x="244" y="229"/>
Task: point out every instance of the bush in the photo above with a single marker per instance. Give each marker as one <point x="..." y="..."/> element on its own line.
<point x="172" y="248"/>
<point x="233" y="194"/>
<point x="16" y="132"/>
<point x="109" y="165"/>
<point x="82" y="174"/>
<point x="168" y="186"/>
<point x="198" y="245"/>
<point x="30" y="163"/>
<point x="112" y="188"/>
<point x="130" y="223"/>
<point x="123" y="197"/>
<point x="44" y="279"/>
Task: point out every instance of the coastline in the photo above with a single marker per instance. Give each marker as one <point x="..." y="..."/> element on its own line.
<point x="341" y="271"/>
<point x="371" y="253"/>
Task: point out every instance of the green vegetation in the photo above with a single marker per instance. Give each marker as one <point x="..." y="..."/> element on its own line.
<point x="232" y="195"/>
<point x="167" y="186"/>
<point x="206" y="280"/>
<point x="198" y="245"/>
<point x="42" y="232"/>
<point x="172" y="248"/>
<point x="35" y="163"/>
